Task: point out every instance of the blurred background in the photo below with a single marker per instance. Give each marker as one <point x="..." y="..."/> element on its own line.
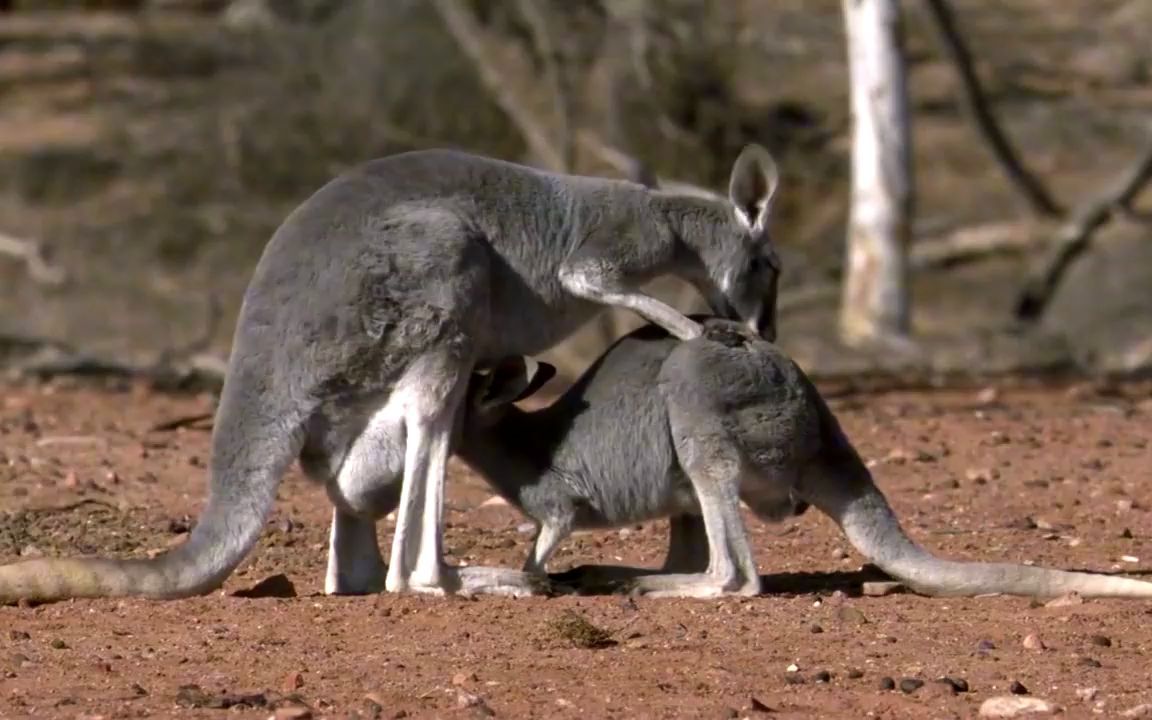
<point x="149" y="148"/>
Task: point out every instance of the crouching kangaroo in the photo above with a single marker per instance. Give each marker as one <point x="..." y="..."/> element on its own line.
<point x="658" y="427"/>
<point x="367" y="313"/>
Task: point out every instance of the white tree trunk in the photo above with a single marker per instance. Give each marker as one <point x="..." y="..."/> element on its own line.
<point x="875" y="301"/>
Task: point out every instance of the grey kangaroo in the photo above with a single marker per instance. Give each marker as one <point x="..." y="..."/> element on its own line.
<point x="367" y="313"/>
<point x="658" y="427"/>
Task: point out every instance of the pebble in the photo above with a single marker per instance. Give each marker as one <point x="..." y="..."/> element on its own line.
<point x="1071" y="598"/>
<point x="855" y="674"/>
<point x="1126" y="533"/>
<point x="18" y="635"/>
<point x="815" y="629"/>
<point x="823" y="676"/>
<point x="910" y="685"/>
<point x="1017" y="688"/>
<point x="839" y="554"/>
<point x="1007" y="706"/>
<point x="59" y="644"/>
<point x="292" y="681"/>
<point x="985" y="646"/>
<point x="292" y="712"/>
<point x="1032" y="641"/>
<point x="759" y="706"/>
<point x="1088" y="662"/>
<point x="887" y="683"/>
<point x="463" y="678"/>
<point x="981" y="476"/>
<point x="1087" y="694"/>
<point x="852" y="615"/>
<point x="960" y="685"/>
<point x="1101" y="640"/>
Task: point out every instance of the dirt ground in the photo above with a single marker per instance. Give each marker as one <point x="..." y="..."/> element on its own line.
<point x="1057" y="475"/>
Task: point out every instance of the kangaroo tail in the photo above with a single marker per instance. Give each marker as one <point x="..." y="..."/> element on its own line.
<point x="254" y="441"/>
<point x="873" y="529"/>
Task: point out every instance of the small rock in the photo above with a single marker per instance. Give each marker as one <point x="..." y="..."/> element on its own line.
<point x="273" y="586"/>
<point x="855" y="674"/>
<point x="465" y="699"/>
<point x="18" y="635"/>
<point x="526" y="528"/>
<point x="815" y="629"/>
<point x="1070" y="599"/>
<point x="1088" y="662"/>
<point x="887" y="683"/>
<point x="1032" y="641"/>
<point x="1007" y="706"/>
<point x="1017" y="688"/>
<point x="792" y="668"/>
<point x="794" y="678"/>
<point x="463" y="678"/>
<point x="1126" y="533"/>
<point x="880" y="588"/>
<point x="1124" y="505"/>
<point x="822" y="676"/>
<point x="940" y="687"/>
<point x="1139" y="711"/>
<point x="910" y="685"/>
<point x="985" y="646"/>
<point x="293" y="711"/>
<point x="292" y="681"/>
<point x="59" y="644"/>
<point x="757" y="706"/>
<point x="981" y="476"/>
<point x="852" y="615"/>
<point x="1101" y="640"/>
<point x="494" y="501"/>
<point x="1087" y="694"/>
<point x="839" y="554"/>
<point x="960" y="685"/>
<point x="988" y="396"/>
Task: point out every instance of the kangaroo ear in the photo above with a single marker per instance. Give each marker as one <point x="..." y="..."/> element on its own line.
<point x="752" y="185"/>
<point x="515" y="378"/>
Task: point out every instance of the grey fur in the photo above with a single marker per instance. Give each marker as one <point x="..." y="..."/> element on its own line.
<point x="658" y="427"/>
<point x="368" y="311"/>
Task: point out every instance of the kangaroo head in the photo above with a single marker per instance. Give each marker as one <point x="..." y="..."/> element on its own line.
<point x="731" y="237"/>
<point x="744" y="266"/>
<point x="492" y="393"/>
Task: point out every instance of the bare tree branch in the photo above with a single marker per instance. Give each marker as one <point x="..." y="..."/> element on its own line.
<point x="31" y="253"/>
<point x="975" y="102"/>
<point x="1076" y="236"/>
<point x="558" y="75"/>
<point x="505" y="76"/>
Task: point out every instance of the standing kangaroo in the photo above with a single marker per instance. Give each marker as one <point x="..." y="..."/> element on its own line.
<point x="366" y="314"/>
<point x="657" y="428"/>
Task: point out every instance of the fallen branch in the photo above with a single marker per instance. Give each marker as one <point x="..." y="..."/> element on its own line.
<point x="976" y="103"/>
<point x="174" y="368"/>
<point x="1076" y="236"/>
<point x="31" y="253"/>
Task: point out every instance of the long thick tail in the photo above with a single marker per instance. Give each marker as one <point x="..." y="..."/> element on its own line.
<point x="874" y="530"/>
<point x="256" y="437"/>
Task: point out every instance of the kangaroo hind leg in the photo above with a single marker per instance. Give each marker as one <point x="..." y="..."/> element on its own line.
<point x="715" y="465"/>
<point x="362" y="477"/>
